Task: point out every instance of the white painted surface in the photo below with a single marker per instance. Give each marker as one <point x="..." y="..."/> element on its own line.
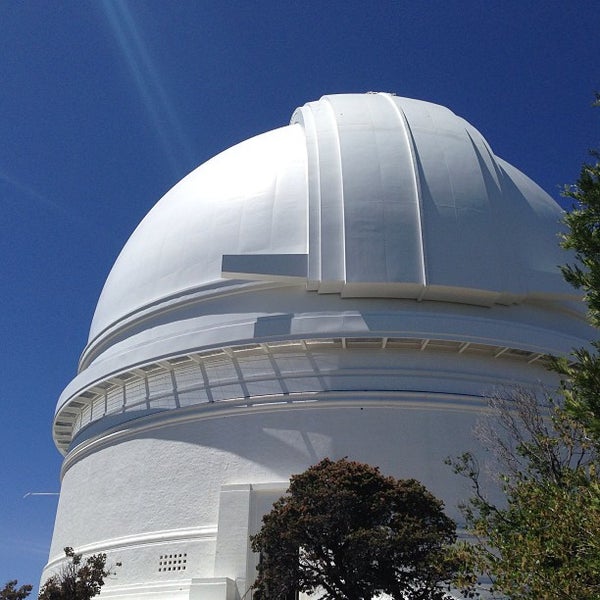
<point x="353" y="285"/>
<point x="248" y="199"/>
<point x="158" y="491"/>
<point x="388" y="197"/>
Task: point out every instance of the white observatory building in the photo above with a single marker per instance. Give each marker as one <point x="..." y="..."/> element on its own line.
<point x="352" y="284"/>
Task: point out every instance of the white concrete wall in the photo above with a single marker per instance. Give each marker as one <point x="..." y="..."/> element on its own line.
<point x="156" y="488"/>
<point x="186" y="416"/>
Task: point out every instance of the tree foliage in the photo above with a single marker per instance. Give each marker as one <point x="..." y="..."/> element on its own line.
<point x="78" y="579"/>
<point x="12" y="592"/>
<point x="544" y="544"/>
<point x="583" y="235"/>
<point x="581" y="383"/>
<point x="351" y="533"/>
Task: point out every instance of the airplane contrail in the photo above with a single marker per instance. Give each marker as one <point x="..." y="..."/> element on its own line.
<point x="40" y="494"/>
<point x="29" y="191"/>
<point x="25" y="191"/>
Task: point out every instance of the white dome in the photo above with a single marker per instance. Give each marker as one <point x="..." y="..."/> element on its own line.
<point x="369" y="215"/>
<point x="353" y="284"/>
<point x="249" y="199"/>
<point x="384" y="196"/>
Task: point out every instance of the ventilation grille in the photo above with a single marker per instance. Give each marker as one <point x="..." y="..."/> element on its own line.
<point x="172" y="562"/>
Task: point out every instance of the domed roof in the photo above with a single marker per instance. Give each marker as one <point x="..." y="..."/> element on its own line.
<point x="362" y="195"/>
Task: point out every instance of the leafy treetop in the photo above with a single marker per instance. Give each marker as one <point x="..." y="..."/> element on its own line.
<point x="351" y="533"/>
<point x="581" y="384"/>
<point x="78" y="579"/>
<point x="544" y="542"/>
<point x="583" y="235"/>
<point x="11" y="592"/>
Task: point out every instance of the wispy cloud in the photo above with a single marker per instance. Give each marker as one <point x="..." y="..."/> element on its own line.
<point x="148" y="83"/>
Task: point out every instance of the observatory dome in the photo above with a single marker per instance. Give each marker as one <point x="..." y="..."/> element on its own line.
<point x="363" y="195"/>
<point x="367" y="198"/>
<point x="352" y="284"/>
<point x="382" y="194"/>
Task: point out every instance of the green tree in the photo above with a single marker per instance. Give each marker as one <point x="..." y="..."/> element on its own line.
<point x="351" y="533"/>
<point x="78" y="579"/>
<point x="544" y="543"/>
<point x="583" y="235"/>
<point x="581" y="384"/>
<point x="11" y="592"/>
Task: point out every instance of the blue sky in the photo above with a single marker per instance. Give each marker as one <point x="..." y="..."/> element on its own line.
<point x="105" y="105"/>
